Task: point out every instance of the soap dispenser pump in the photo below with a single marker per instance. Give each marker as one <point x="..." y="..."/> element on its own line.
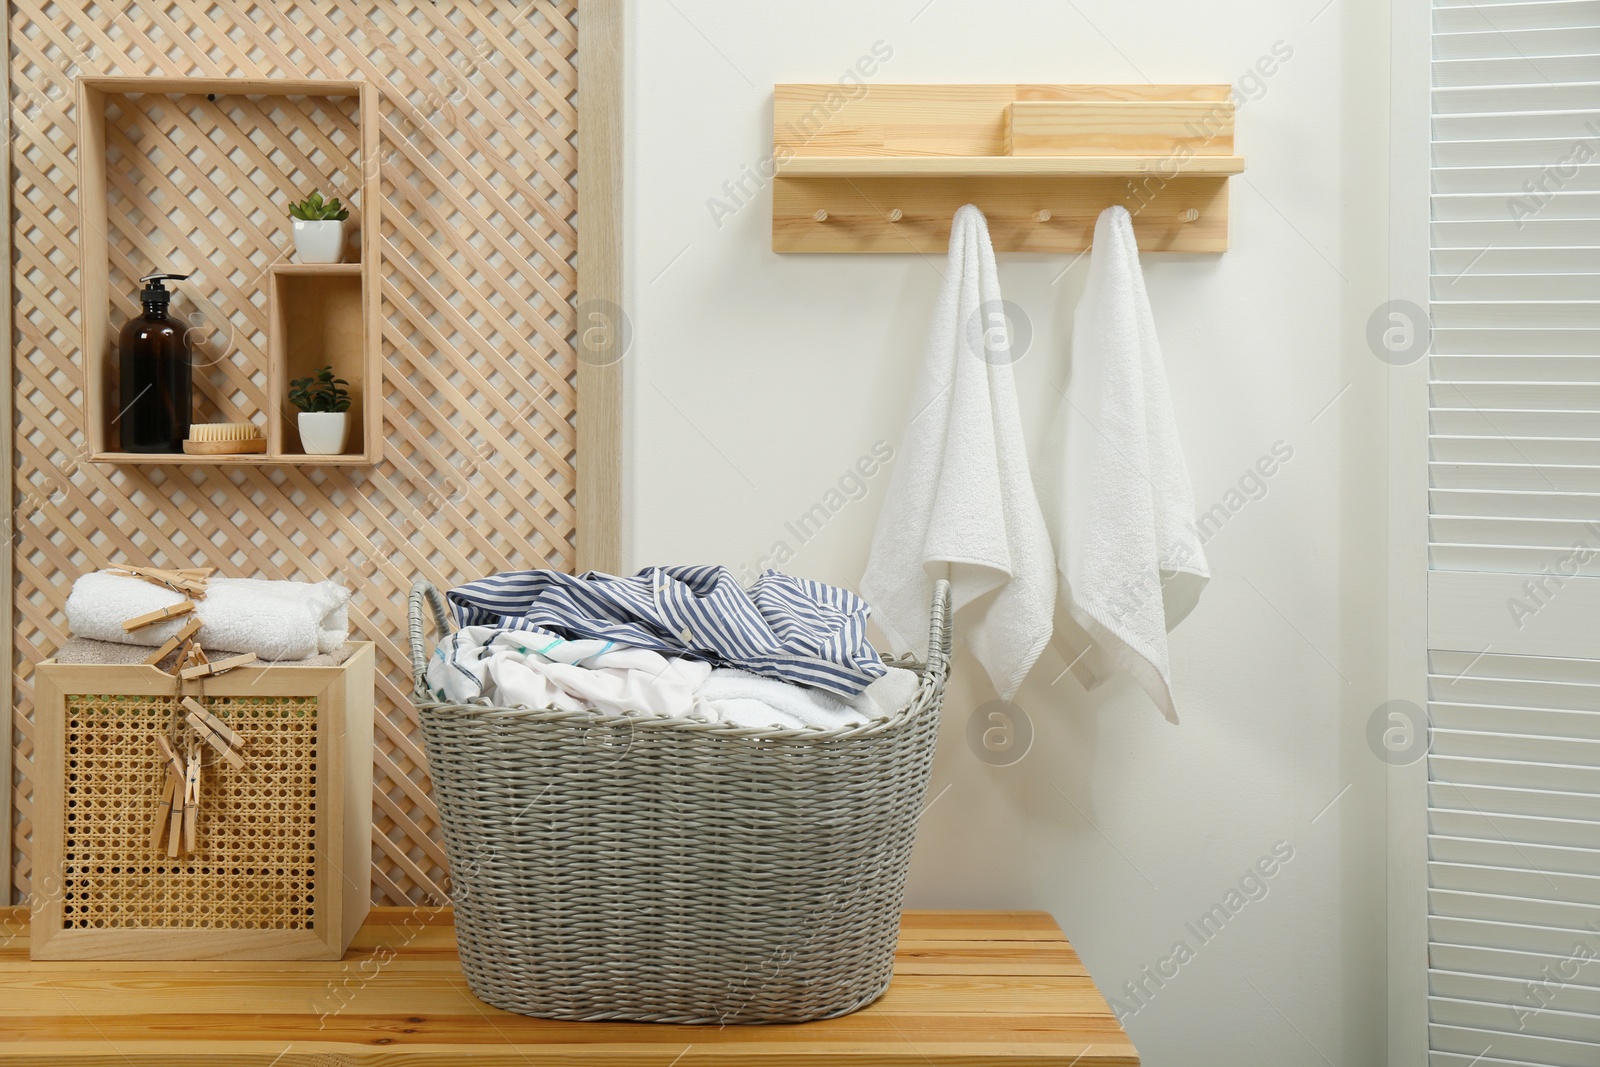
<point x="157" y="374"/>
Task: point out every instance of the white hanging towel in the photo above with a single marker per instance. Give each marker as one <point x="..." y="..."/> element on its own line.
<point x="1115" y="489"/>
<point x="961" y="503"/>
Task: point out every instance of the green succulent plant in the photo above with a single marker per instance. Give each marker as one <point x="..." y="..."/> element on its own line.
<point x="315" y="209"/>
<point x="320" y="392"/>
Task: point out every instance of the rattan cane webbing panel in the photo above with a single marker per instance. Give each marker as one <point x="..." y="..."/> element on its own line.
<point x="254" y="866"/>
<point x="478" y="114"/>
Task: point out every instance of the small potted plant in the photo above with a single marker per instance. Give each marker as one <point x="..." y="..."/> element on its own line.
<point x="323" y="402"/>
<point x="318" y="229"/>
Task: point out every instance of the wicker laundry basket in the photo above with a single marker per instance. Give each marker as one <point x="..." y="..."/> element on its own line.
<point x="658" y="870"/>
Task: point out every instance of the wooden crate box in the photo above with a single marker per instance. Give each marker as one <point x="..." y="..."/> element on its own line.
<point x="282" y="865"/>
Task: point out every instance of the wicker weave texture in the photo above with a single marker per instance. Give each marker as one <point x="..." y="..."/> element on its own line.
<point x="477" y="119"/>
<point x="608" y="867"/>
<point x="255" y="865"/>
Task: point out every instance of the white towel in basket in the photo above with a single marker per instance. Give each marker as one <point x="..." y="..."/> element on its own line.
<point x="527" y="669"/>
<point x="746" y="699"/>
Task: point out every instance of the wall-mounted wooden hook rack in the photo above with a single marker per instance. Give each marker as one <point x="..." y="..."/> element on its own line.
<point x="887" y="167"/>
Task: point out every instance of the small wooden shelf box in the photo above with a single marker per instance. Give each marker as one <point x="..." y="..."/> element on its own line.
<point x="318" y="314"/>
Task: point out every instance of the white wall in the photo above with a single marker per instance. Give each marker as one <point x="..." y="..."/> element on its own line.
<point x="756" y="380"/>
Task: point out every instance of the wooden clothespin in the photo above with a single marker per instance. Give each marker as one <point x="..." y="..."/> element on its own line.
<point x="175" y="825"/>
<point x="183" y="607"/>
<point x="174" y="764"/>
<point x="214" y="732"/>
<point x="191" y="581"/>
<point x="191" y="802"/>
<point x="170" y="812"/>
<point x="188" y="656"/>
<point x="206" y="670"/>
<point x="213" y="723"/>
<point x="190" y="628"/>
<point x="169" y="796"/>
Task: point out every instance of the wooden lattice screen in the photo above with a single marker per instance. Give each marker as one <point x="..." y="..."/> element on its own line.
<point x="478" y="110"/>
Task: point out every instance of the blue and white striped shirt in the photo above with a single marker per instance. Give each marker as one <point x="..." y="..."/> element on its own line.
<point x="783" y="627"/>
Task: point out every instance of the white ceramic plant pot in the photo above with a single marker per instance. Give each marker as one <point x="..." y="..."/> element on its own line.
<point x="322" y="432"/>
<point x="321" y="241"/>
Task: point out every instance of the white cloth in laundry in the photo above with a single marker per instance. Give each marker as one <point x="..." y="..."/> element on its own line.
<point x="531" y="669"/>
<point x="745" y="699"/>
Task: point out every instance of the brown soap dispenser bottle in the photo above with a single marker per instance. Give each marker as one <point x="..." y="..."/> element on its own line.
<point x="155" y="405"/>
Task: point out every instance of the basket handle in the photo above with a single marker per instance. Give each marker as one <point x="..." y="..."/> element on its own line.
<point x="939" y="629"/>
<point x="423" y="589"/>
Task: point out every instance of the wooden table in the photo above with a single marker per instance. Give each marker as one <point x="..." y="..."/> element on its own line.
<point x="970" y="988"/>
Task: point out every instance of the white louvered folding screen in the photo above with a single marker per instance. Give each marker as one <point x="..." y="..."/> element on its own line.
<point x="1514" y="581"/>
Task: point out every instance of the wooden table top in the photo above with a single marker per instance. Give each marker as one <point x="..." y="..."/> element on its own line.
<point x="969" y="988"/>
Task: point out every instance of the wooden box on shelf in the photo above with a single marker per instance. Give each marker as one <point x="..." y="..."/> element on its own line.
<point x="282" y="866"/>
<point x="314" y="320"/>
<point x="326" y="312"/>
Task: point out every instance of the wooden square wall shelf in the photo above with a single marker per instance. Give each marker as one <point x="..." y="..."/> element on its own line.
<point x="317" y="314"/>
<point x="885" y="168"/>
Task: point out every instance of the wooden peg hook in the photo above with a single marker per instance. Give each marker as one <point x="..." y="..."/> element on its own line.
<point x="1042" y="215"/>
<point x="894" y="215"/>
<point x="1188" y="215"/>
<point x="820" y="215"/>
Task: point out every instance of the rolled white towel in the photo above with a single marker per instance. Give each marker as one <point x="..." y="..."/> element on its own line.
<point x="275" y="620"/>
<point x="746" y="699"/>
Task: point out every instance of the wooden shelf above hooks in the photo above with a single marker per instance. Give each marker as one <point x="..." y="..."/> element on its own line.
<point x="1005" y="166"/>
<point x="884" y="170"/>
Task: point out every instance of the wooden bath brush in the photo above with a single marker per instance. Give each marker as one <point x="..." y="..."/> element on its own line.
<point x="223" y="439"/>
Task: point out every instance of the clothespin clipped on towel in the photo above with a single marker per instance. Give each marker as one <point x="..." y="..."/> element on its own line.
<point x="172" y="611"/>
<point x="190" y="581"/>
<point x="214" y="732"/>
